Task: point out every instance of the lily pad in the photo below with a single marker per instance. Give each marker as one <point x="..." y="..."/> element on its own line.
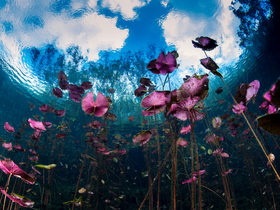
<point x="270" y="123"/>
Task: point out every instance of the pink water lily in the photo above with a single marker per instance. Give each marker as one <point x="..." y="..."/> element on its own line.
<point x="182" y="142"/>
<point x="44" y="108"/>
<point x="166" y="63"/>
<point x="197" y="85"/>
<point x="36" y="125"/>
<point x="21" y="200"/>
<point x="8" y="146"/>
<point x="236" y="109"/>
<point x="252" y="90"/>
<point x="9" y="167"/>
<point x="155" y="102"/>
<point x="205" y="43"/>
<point x="224" y="155"/>
<point x="182" y="110"/>
<point x="143" y="137"/>
<point x="185" y="130"/>
<point x="8" y="128"/>
<point x="98" y="107"/>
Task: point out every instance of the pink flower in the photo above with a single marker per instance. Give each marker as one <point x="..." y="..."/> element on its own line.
<point x="189" y="180"/>
<point x="236" y="109"/>
<point x="217" y="152"/>
<point x="224" y="155"/>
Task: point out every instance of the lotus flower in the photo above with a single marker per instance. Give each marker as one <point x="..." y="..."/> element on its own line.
<point x="57" y="92"/>
<point x="8" y="128"/>
<point x="8" y="146"/>
<point x="143" y="137"/>
<point x="189" y="180"/>
<point x="9" y="167"/>
<point x="155" y="102"/>
<point x="194" y="86"/>
<point x="36" y="125"/>
<point x="182" y="110"/>
<point x="97" y="108"/>
<point x="44" y="108"/>
<point x="205" y="43"/>
<point x="21" y="200"/>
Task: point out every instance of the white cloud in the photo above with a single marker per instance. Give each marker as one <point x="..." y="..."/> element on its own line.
<point x="179" y="29"/>
<point x="164" y="2"/>
<point x="125" y="7"/>
<point x="91" y="32"/>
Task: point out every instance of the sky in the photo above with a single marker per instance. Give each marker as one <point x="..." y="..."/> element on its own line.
<point x="116" y="25"/>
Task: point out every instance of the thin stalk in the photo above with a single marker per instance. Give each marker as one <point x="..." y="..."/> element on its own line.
<point x="197" y="161"/>
<point x="81" y="171"/>
<point x="6" y="190"/>
<point x="158" y="159"/>
<point x="259" y="142"/>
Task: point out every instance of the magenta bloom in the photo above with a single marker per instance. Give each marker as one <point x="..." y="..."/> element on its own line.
<point x="166" y="64"/>
<point x="44" y="108"/>
<point x="217" y="152"/>
<point x="152" y="67"/>
<point x="95" y="124"/>
<point x="60" y="113"/>
<point x="97" y="108"/>
<point x="9" y="167"/>
<point x="19" y="148"/>
<point x="182" y="110"/>
<point x="269" y="94"/>
<point x="236" y="109"/>
<point x="8" y="128"/>
<point x="36" y="125"/>
<point x="246" y="131"/>
<point x="209" y="64"/>
<point x="121" y="152"/>
<point x="252" y="90"/>
<point x="57" y="92"/>
<point x="205" y="43"/>
<point x="33" y="159"/>
<point x="185" y="130"/>
<point x="8" y="146"/>
<point x="182" y="142"/>
<point x="189" y="180"/>
<point x="269" y="106"/>
<point x="155" y="102"/>
<point x="33" y="152"/>
<point x="143" y="137"/>
<point x="21" y="200"/>
<point x="217" y="122"/>
<point x="103" y="150"/>
<point x="194" y="86"/>
<point x="200" y="172"/>
<point x="224" y="155"/>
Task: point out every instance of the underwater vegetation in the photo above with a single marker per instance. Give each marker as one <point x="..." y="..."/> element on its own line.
<point x="193" y="158"/>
